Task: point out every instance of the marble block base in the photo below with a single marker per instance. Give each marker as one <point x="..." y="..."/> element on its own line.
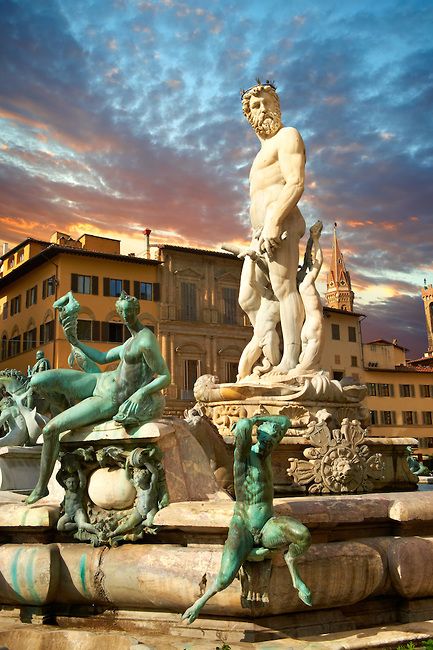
<point x="19" y="468"/>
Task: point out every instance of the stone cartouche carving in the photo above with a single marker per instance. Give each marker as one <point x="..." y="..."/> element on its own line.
<point x="337" y="462"/>
<point x="216" y="450"/>
<point x="130" y="394"/>
<point x="254" y="531"/>
<point x="109" y="526"/>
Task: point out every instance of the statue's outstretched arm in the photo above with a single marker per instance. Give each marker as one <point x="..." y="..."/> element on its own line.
<point x="97" y="355"/>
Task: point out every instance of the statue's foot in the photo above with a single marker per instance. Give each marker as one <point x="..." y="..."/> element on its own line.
<point x="304" y="594"/>
<point x="191" y="614"/>
<point x="36" y="495"/>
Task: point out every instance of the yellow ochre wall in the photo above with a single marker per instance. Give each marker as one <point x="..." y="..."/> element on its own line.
<point x="97" y="307"/>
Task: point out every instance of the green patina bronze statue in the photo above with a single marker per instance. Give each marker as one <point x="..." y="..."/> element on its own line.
<point x="130" y="394"/>
<point x="254" y="531"/>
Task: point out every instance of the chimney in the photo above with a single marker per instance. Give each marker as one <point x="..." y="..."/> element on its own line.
<point x="146" y="233"/>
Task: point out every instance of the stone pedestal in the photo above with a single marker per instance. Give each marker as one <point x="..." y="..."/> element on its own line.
<point x="366" y="567"/>
<point x="19" y="468"/>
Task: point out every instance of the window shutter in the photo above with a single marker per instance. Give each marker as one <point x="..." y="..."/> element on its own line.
<point x="126" y="286"/>
<point x="391" y="390"/>
<point x="96" y="330"/>
<point x="412" y="390"/>
<point x="74" y="282"/>
<point x="95" y="285"/>
<point x="106" y="288"/>
<point x="36" y="294"/>
<point x="41" y="334"/>
<point x="137" y="289"/>
<point x="156" y="291"/>
<point x="104" y="329"/>
<point x="44" y="289"/>
<point x="27" y="297"/>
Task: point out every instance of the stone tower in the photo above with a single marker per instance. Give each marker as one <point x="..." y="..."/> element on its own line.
<point x="339" y="294"/>
<point x="427" y="296"/>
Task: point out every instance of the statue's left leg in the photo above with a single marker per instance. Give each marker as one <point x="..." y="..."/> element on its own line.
<point x="283" y="532"/>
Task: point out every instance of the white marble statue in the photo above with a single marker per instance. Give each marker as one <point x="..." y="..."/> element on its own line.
<point x="312" y="334"/>
<point x="276" y="185"/>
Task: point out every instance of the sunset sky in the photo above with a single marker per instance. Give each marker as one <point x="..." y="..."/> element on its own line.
<point x="117" y="115"/>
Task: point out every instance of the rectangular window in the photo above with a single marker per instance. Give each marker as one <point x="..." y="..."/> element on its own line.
<point x="46" y="332"/>
<point x="15" y="345"/>
<point x="337" y="359"/>
<point x="409" y="417"/>
<point x="427" y="417"/>
<point x="5" y="311"/>
<point x="49" y="287"/>
<point x="143" y="290"/>
<point x="426" y="390"/>
<point x="387" y="417"/>
<point x="84" y="330"/>
<point x="335" y="330"/>
<point x="407" y="390"/>
<point x="191" y="368"/>
<point x="29" y="340"/>
<point x="230" y="303"/>
<point x="386" y="390"/>
<point x="15" y="305"/>
<point x="231" y="372"/>
<point x="354" y="362"/>
<point x="115" y="332"/>
<point x="352" y="334"/>
<point x="32" y="296"/>
<point x="114" y="287"/>
<point x="337" y="374"/>
<point x="188" y="296"/>
<point x="87" y="284"/>
<point x="373" y="417"/>
<point x="372" y="389"/>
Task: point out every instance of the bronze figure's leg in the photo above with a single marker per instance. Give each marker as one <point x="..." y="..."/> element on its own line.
<point x="283" y="532"/>
<point x="236" y="549"/>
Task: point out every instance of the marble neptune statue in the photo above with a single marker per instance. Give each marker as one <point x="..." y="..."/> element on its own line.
<point x="276" y="185"/>
<point x="130" y="394"/>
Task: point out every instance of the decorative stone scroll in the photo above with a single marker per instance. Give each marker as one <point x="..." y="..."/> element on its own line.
<point x="111" y="495"/>
<point x="337" y="462"/>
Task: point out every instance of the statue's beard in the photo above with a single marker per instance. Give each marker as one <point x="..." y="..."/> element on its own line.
<point x="266" y="124"/>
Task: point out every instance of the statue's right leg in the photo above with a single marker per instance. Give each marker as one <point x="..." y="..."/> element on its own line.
<point x="237" y="547"/>
<point x="88" y="411"/>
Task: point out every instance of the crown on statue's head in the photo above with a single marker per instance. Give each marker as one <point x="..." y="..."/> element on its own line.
<point x="267" y="83"/>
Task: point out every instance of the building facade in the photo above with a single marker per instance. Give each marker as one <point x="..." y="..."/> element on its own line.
<point x="35" y="273"/>
<point x="188" y="297"/>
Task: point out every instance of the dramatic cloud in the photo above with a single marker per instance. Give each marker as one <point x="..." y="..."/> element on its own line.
<point x="116" y="115"/>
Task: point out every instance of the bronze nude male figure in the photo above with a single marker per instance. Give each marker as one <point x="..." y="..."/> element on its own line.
<point x="254" y="531"/>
